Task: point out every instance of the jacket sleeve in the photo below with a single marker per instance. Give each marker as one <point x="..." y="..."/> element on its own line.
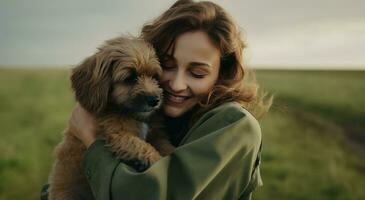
<point x="217" y="158"/>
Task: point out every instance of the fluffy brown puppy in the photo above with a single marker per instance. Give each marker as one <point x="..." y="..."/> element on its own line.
<point x="118" y="86"/>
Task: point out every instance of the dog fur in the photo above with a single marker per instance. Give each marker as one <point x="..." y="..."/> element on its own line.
<point x="118" y="85"/>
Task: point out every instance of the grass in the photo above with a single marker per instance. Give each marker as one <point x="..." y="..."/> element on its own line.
<point x="309" y="148"/>
<point x="34" y="107"/>
<point x="313" y="136"/>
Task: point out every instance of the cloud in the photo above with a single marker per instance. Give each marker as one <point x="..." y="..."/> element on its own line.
<point x="329" y="43"/>
<point x="285" y="32"/>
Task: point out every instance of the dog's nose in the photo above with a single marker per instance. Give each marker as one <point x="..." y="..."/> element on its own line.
<point x="152" y="100"/>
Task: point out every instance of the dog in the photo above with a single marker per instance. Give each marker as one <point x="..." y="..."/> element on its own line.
<point x="118" y="85"/>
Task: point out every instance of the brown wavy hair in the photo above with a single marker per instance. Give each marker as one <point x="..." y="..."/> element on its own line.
<point x="235" y="81"/>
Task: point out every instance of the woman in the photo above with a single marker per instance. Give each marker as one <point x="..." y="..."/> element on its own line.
<point x="207" y="107"/>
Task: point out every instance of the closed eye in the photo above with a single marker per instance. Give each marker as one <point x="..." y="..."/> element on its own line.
<point x="168" y="66"/>
<point x="199" y="71"/>
<point x="168" y="63"/>
<point x="198" y="75"/>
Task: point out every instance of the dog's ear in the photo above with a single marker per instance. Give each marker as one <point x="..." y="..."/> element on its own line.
<point x="91" y="82"/>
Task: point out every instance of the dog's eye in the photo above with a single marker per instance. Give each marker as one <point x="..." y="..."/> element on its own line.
<point x="131" y="79"/>
<point x="156" y="77"/>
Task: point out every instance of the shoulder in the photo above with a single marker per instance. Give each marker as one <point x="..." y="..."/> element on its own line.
<point x="229" y="119"/>
<point x="231" y="112"/>
<point x="235" y="114"/>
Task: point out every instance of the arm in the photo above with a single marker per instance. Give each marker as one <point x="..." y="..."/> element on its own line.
<point x="217" y="159"/>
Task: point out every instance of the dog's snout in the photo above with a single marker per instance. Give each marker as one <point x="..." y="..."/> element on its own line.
<point x="152" y="100"/>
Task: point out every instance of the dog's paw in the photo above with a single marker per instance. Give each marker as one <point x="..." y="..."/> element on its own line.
<point x="138" y="165"/>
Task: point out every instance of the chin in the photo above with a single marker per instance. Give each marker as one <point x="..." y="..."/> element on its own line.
<point x="172" y="111"/>
<point x="176" y="112"/>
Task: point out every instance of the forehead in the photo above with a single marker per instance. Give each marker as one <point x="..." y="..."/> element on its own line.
<point x="195" y="46"/>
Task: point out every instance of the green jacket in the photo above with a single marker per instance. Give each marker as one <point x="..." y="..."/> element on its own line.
<point x="218" y="158"/>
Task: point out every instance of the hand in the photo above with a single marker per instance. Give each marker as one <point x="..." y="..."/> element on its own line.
<point x="82" y="125"/>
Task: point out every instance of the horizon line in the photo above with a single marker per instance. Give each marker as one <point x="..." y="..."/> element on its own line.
<point x="259" y="67"/>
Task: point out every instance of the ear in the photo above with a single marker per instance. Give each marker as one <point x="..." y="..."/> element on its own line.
<point x="91" y="82"/>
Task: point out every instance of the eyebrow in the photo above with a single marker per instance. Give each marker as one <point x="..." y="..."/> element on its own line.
<point x="191" y="64"/>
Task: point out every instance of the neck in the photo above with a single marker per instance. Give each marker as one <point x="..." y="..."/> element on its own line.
<point x="177" y="127"/>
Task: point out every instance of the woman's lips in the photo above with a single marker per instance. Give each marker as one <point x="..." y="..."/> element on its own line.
<point x="177" y="99"/>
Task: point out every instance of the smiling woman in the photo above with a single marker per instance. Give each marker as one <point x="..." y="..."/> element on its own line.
<point x="190" y="71"/>
<point x="209" y="114"/>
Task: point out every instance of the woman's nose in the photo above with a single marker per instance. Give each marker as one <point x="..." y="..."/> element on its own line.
<point x="178" y="82"/>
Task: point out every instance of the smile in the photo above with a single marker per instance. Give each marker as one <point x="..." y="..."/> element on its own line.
<point x="176" y="99"/>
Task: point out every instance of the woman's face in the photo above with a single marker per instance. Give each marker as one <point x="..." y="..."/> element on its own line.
<point x="189" y="72"/>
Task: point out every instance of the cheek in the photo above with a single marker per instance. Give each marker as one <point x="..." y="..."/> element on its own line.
<point x="166" y="75"/>
<point x="165" y="78"/>
<point x="201" y="86"/>
<point x="197" y="86"/>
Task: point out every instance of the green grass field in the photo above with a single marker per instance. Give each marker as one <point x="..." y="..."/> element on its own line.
<point x="314" y="136"/>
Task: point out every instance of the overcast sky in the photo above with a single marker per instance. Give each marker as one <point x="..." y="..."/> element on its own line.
<point x="279" y="33"/>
